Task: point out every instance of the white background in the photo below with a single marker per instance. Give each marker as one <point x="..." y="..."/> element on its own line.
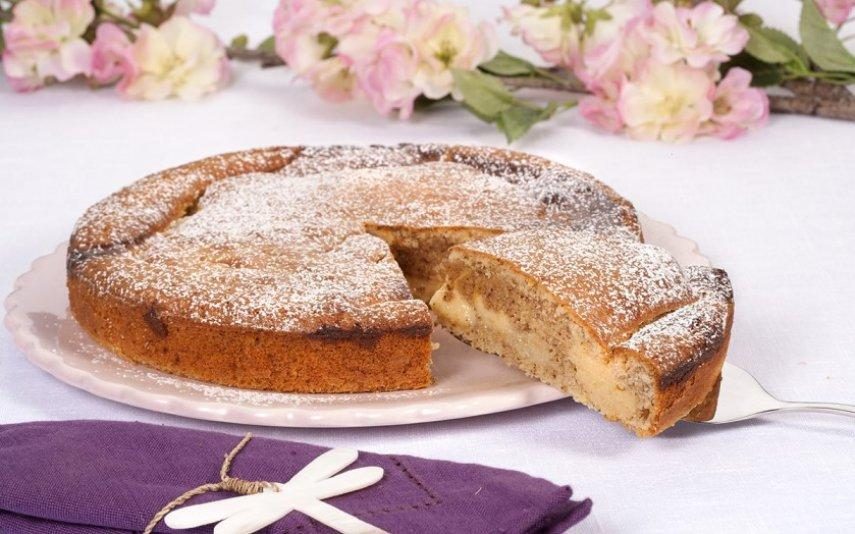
<point x="774" y="208"/>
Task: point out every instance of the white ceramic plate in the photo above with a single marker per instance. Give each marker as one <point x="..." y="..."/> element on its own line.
<point x="468" y="382"/>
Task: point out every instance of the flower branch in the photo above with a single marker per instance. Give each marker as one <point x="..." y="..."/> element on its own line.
<point x="265" y="58"/>
<point x="700" y="55"/>
<point x="654" y="69"/>
<point x="149" y="50"/>
<point x="264" y="53"/>
<point x="808" y="97"/>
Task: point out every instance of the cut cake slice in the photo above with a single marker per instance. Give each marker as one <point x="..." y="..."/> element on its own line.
<point x="615" y="323"/>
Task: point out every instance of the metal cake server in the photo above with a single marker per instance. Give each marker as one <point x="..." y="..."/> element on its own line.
<point x="742" y="397"/>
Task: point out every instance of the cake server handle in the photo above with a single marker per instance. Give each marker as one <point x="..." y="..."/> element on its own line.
<point x="823" y="407"/>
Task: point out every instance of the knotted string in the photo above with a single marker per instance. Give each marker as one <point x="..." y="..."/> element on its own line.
<point x="226" y="483"/>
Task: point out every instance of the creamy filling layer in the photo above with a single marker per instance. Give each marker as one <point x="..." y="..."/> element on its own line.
<point x="568" y="360"/>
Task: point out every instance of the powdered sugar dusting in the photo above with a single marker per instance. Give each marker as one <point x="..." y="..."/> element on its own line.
<point x="587" y="202"/>
<point x="633" y="296"/>
<point x="612" y="282"/>
<point x="152" y="202"/>
<point x="288" y="251"/>
<point x="685" y="338"/>
<point x="323" y="159"/>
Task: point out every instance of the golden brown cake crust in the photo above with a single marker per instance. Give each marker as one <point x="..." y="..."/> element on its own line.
<point x="259" y="269"/>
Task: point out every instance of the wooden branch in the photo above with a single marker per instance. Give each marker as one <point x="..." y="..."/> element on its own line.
<point x="267" y="59"/>
<point x="809" y="97"/>
<point x="820" y="99"/>
<point x="569" y="84"/>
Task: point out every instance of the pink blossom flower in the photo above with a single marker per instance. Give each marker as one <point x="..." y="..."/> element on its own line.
<point x="389" y="51"/>
<point x="332" y="79"/>
<point x="307" y="31"/>
<point x="324" y="41"/>
<point x="387" y="77"/>
<point x="296" y="26"/>
<point x="621" y="13"/>
<point x="386" y="13"/>
<point x="701" y="36"/>
<point x="651" y="67"/>
<point x="614" y="52"/>
<point x="719" y="35"/>
<point x="358" y="43"/>
<point x="199" y="7"/>
<point x="444" y="39"/>
<point x="44" y="41"/>
<point x="668" y="102"/>
<point x="109" y="51"/>
<point x="178" y="58"/>
<point x="836" y="11"/>
<point x="22" y="71"/>
<point x="669" y="33"/>
<point x="543" y="29"/>
<point x="737" y="107"/>
<point x="601" y="112"/>
<point x="605" y="63"/>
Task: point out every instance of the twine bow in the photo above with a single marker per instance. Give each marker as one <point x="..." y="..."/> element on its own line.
<point x="263" y="503"/>
<point x="226" y="483"/>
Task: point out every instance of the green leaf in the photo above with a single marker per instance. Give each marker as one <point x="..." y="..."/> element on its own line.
<point x="751" y="19"/>
<point x="150" y="12"/>
<point x="483" y="94"/>
<point x="774" y="46"/>
<point x="492" y="102"/>
<point x="821" y="42"/>
<point x="762" y="74"/>
<point x="770" y="76"/>
<point x="593" y="16"/>
<point x="240" y="42"/>
<point x="423" y="103"/>
<point x="518" y="120"/>
<point x="504" y="64"/>
<point x="729" y="5"/>
<point x="267" y="45"/>
<point x="329" y="42"/>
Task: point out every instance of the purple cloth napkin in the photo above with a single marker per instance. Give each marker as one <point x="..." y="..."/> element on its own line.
<point x="104" y="476"/>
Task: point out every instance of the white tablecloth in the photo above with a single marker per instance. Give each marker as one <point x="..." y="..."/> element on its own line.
<point x="775" y="209"/>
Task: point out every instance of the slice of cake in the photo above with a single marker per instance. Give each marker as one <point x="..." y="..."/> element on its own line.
<point x="615" y="323"/>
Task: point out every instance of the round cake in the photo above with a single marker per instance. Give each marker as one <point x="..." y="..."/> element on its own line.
<point x="315" y="269"/>
<point x="306" y="269"/>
